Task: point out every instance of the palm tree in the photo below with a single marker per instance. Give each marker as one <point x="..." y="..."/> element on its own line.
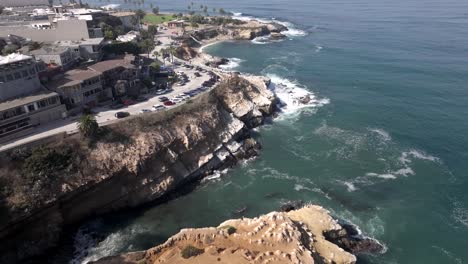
<point x="172" y="51"/>
<point x="88" y="125"/>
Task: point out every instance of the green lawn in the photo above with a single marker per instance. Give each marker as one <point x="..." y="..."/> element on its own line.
<point x="157" y="19"/>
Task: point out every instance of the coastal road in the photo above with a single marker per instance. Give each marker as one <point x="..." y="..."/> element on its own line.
<point x="105" y="115"/>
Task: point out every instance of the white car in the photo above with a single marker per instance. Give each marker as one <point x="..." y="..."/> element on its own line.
<point x="176" y="100"/>
<point x="145" y="111"/>
<point x="158" y="107"/>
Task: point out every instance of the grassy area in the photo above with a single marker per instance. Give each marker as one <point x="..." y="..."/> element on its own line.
<point x="157" y="19"/>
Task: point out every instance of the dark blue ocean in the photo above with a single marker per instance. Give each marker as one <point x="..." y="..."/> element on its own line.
<point x="385" y="144"/>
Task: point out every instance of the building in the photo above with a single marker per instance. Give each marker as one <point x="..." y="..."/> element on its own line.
<point x="87" y="49"/>
<point x="24" y="104"/>
<point x="120" y="75"/>
<point x="18" y="76"/>
<point x="20" y="116"/>
<point x="80" y="89"/>
<point x="176" y="24"/>
<point x="131" y="36"/>
<point x="63" y="24"/>
<point x="56" y="55"/>
<point x="128" y="19"/>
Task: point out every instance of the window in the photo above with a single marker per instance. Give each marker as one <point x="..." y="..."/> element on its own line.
<point x="9" y="77"/>
<point x="2" y="79"/>
<point x="25" y="74"/>
<point x="42" y="104"/>
<point x="17" y="75"/>
<point x="31" y="108"/>
<point x="52" y="100"/>
<point x="32" y="71"/>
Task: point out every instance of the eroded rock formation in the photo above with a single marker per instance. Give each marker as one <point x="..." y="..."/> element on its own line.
<point x="134" y="161"/>
<point x="279" y="237"/>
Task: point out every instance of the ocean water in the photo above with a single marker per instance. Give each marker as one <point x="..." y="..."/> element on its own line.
<point x="384" y="143"/>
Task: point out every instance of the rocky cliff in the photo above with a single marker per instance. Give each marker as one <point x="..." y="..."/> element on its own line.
<point x="297" y="236"/>
<point x="130" y="163"/>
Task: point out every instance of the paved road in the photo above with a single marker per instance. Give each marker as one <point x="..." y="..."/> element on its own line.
<point x="106" y="115"/>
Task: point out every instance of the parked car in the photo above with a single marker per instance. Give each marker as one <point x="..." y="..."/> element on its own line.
<point x="142" y="99"/>
<point x="158" y="107"/>
<point x="129" y="102"/>
<point x="169" y="103"/>
<point x="122" y="114"/>
<point x="197" y="74"/>
<point x="143" y="111"/>
<point x="117" y="106"/>
<point x="163" y="99"/>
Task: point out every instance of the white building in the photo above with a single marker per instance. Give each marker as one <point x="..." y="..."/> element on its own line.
<point x="18" y="76"/>
<point x="57" y="55"/>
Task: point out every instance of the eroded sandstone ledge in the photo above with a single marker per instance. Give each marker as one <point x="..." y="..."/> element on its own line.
<point x="292" y="237"/>
<point x="133" y="162"/>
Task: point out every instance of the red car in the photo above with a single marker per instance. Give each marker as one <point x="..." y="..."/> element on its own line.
<point x="129" y="102"/>
<point x="169" y="103"/>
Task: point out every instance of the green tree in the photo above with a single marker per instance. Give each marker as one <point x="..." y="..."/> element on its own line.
<point x="109" y="34"/>
<point x="155" y="67"/>
<point x="156" y="10"/>
<point x="1" y="9"/>
<point x="140" y="13"/>
<point x="134" y="20"/>
<point x="88" y="126"/>
<point x="221" y="11"/>
<point x="152" y="30"/>
<point x="147" y="45"/>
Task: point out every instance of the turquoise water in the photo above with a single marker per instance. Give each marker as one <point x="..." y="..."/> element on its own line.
<point x="385" y="146"/>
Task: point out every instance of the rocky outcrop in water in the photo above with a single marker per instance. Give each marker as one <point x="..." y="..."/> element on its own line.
<point x="132" y="162"/>
<point x="292" y="237"/>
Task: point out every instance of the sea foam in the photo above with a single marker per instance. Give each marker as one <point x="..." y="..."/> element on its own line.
<point x="232" y="64"/>
<point x="292" y="95"/>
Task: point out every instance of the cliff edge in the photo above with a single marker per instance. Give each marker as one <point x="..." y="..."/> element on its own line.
<point x="279" y="237"/>
<point x="138" y="160"/>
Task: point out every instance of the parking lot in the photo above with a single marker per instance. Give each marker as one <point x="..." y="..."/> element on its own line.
<point x="105" y="114"/>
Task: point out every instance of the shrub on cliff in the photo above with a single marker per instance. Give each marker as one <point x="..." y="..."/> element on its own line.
<point x="45" y="162"/>
<point x="230" y="229"/>
<point x="88" y="126"/>
<point x="191" y="251"/>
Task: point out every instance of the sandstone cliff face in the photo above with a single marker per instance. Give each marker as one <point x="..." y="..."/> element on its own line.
<point x="277" y="238"/>
<point x="136" y="161"/>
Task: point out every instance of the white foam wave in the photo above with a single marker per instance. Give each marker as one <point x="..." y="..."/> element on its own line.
<point x="215" y="176"/>
<point x="382" y="133"/>
<point x="293" y="96"/>
<point x="349" y="186"/>
<point x="405" y="157"/>
<point x="386" y="176"/>
<point x="87" y="249"/>
<point x="110" y="6"/>
<point x="292" y="31"/>
<point x="232" y="64"/>
<point x="404" y="171"/>
<point x="460" y="214"/>
<point x="261" y="40"/>
<point x="318" y="48"/>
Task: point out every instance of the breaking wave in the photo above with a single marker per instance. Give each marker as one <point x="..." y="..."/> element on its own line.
<point x="292" y="31"/>
<point x="293" y="96"/>
<point x="232" y="64"/>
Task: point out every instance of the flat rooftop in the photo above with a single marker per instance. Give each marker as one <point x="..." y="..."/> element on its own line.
<point x="122" y="14"/>
<point x="14" y="57"/>
<point x="73" y="77"/>
<point x="104" y="66"/>
<point x="37" y="96"/>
